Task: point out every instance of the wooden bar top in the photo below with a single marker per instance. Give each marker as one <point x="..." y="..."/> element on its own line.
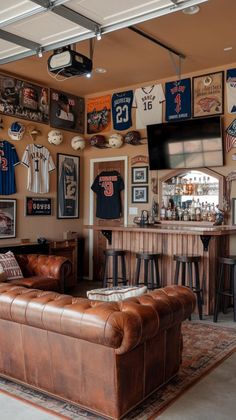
<point x="170" y="229"/>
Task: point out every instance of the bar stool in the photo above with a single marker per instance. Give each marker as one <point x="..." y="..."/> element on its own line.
<point x="226" y="286"/>
<point x="152" y="281"/>
<point x="115" y="254"/>
<point x="187" y="262"/>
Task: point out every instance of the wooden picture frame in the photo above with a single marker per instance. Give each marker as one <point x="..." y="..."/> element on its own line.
<point x="37" y="206"/>
<point x="140" y="194"/>
<point x="67" y="111"/>
<point x="7" y="218"/>
<point x="208" y="94"/>
<point x="140" y="175"/>
<point x="68" y="179"/>
<point x="23" y="99"/>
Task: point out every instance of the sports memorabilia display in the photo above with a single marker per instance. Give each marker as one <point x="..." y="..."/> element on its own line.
<point x="230" y="139"/>
<point x="208" y="98"/>
<point x="148" y="103"/>
<point x="66" y="111"/>
<point x="38" y="160"/>
<point x="178" y="99"/>
<point x="55" y="137"/>
<point x="16" y="131"/>
<point x="98" y="140"/>
<point x="115" y="140"/>
<point x="68" y="186"/>
<point x="8" y="160"/>
<point x="107" y="186"/>
<point x="99" y="114"/>
<point x="231" y="90"/>
<point x="35" y="206"/>
<point x="121" y="110"/>
<point x="133" y="137"/>
<point x="23" y="99"/>
<point x="77" y="143"/>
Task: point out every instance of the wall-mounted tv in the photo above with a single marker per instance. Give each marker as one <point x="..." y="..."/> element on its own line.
<point x="183" y="144"/>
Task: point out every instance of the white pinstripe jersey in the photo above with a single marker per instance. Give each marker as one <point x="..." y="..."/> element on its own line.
<point x="38" y="160"/>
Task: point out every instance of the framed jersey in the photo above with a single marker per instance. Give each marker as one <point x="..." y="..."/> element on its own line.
<point x="121" y="110"/>
<point x="67" y="111"/>
<point x="68" y="168"/>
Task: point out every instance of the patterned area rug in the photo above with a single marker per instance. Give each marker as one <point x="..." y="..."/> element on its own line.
<point x="205" y="346"/>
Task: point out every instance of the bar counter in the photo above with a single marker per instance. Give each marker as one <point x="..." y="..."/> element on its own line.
<point x="208" y="241"/>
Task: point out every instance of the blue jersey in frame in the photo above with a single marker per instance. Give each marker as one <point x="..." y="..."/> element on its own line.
<point x="121" y="110"/>
<point x="178" y="100"/>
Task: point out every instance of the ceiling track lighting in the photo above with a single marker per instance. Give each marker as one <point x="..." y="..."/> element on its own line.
<point x="98" y="34"/>
<point x="40" y="52"/>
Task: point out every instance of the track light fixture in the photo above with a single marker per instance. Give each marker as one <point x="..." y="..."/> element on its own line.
<point x="40" y="52"/>
<point x="98" y="34"/>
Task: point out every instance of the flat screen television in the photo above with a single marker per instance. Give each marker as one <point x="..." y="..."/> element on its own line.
<point x="184" y="144"/>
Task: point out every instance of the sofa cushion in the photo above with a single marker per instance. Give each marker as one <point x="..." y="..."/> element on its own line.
<point x="116" y="293"/>
<point x="10" y="266"/>
<point x="37" y="282"/>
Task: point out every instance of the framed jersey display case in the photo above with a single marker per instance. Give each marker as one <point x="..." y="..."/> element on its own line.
<point x="66" y="111"/>
<point x="68" y="170"/>
<point x="7" y="218"/>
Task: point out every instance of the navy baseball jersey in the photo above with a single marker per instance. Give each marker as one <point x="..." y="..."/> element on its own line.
<point x="178" y="100"/>
<point x="8" y="160"/>
<point x="107" y="185"/>
<point x="121" y="110"/>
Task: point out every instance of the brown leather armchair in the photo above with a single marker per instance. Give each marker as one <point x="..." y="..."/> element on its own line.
<point x="44" y="272"/>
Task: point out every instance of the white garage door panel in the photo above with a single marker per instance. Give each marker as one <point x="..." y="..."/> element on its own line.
<point x="12" y="8"/>
<point x="7" y="49"/>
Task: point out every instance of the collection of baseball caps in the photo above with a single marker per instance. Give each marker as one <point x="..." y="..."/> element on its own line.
<point x="115" y="140"/>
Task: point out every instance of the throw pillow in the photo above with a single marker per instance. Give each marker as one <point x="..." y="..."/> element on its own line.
<point x="10" y="266"/>
<point x="116" y="293"/>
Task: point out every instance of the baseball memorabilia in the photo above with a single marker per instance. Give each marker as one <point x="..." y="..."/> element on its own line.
<point x="16" y="131"/>
<point x="115" y="141"/>
<point x="98" y="140"/>
<point x="38" y="160"/>
<point x="121" y="110"/>
<point x="8" y="160"/>
<point x="24" y="99"/>
<point x="66" y="111"/>
<point x="231" y="90"/>
<point x="33" y="132"/>
<point x="77" y="143"/>
<point x="178" y="99"/>
<point x="35" y="206"/>
<point x="133" y="137"/>
<point x="55" y="137"/>
<point x="99" y="114"/>
<point x="68" y="186"/>
<point x="107" y="186"/>
<point x="208" y="97"/>
<point x="148" y="103"/>
<point x="230" y="139"/>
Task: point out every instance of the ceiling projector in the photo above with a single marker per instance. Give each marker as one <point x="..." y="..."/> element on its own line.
<point x="69" y="63"/>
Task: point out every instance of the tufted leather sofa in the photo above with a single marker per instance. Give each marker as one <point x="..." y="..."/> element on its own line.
<point x="105" y="357"/>
<point x="44" y="272"/>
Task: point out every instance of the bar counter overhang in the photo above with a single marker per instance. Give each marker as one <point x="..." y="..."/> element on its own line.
<point x="210" y="242"/>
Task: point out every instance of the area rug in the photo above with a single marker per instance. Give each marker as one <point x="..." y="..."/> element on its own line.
<point x="205" y="346"/>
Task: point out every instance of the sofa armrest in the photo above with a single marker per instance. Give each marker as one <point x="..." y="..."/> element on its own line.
<point x="51" y="266"/>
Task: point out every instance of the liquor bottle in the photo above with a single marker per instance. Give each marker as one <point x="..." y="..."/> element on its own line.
<point x="192" y="211"/>
<point x="163" y="212"/>
<point x="195" y="185"/>
<point x="184" y="186"/>
<point x="198" y="211"/>
<point x="204" y="213"/>
<point x="199" y="187"/>
<point x="169" y="213"/>
<point x="190" y="187"/>
<point x="186" y="215"/>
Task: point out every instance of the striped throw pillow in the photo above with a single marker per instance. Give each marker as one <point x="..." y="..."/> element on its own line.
<point x="10" y="266"/>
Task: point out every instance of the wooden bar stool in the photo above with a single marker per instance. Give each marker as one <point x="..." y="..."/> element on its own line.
<point x="151" y="277"/>
<point x="115" y="254"/>
<point x="187" y="262"/>
<point x="226" y="286"/>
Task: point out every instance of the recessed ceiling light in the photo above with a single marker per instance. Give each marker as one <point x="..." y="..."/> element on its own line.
<point x="100" y="70"/>
<point x="228" y="48"/>
<point x="191" y="10"/>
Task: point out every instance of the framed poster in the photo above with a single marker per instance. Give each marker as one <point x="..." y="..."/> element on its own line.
<point x="140" y="194"/>
<point x="99" y="114"/>
<point x="35" y="206"/>
<point x="23" y="99"/>
<point x="140" y="175"/>
<point x="68" y="169"/>
<point x="208" y="94"/>
<point x="66" y="111"/>
<point x="7" y="218"/>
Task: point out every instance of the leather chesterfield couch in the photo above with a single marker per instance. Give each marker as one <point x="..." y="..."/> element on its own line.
<point x="106" y="357"/>
<point x="44" y="272"/>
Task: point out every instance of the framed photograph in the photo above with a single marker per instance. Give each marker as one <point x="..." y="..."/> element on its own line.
<point x="7" y="218"/>
<point x="233" y="211"/>
<point x="67" y="111"/>
<point x="23" y="99"/>
<point x="35" y="206"/>
<point x="208" y="94"/>
<point x="140" y="194"/>
<point x="140" y="175"/>
<point x="68" y="170"/>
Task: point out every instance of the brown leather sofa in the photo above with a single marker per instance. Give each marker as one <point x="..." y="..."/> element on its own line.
<point x="106" y="357"/>
<point x="44" y="272"/>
